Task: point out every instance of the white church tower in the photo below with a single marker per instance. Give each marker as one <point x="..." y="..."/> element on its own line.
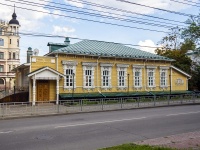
<point x="9" y="52"/>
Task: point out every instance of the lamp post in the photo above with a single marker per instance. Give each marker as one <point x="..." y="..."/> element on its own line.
<point x="73" y="74"/>
<point x="128" y="83"/>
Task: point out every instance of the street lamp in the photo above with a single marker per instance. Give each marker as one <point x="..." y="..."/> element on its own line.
<point x="73" y="74"/>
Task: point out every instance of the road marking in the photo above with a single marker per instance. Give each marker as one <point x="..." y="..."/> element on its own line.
<point x="6" y="132"/>
<point x="91" y="123"/>
<point x="183" y="113"/>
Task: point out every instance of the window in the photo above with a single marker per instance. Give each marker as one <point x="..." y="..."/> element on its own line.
<point x="88" y="77"/>
<point x="69" y="77"/>
<point x="1" y="55"/>
<point x="10" y="41"/>
<point x="9" y="55"/>
<point x="1" y="31"/>
<point x="151" y="78"/>
<point x="163" y="78"/>
<point x="9" y="68"/>
<point x="17" y="42"/>
<point x="1" y="42"/>
<point x="105" y="78"/>
<point x="13" y="66"/>
<point x="1" y="68"/>
<point x="1" y="81"/>
<point x="14" y="56"/>
<point x="137" y="77"/>
<point x="121" y="78"/>
<point x="122" y="75"/>
<point x="70" y="74"/>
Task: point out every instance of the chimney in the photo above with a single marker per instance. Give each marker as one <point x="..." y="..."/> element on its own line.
<point x="67" y="41"/>
<point x="29" y="54"/>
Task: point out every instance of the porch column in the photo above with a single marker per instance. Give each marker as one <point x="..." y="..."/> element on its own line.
<point x="34" y="91"/>
<point x="57" y="91"/>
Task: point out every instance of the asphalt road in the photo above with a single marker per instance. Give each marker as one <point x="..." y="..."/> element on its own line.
<point x="89" y="131"/>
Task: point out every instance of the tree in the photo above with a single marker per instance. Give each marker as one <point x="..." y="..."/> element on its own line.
<point x="192" y="31"/>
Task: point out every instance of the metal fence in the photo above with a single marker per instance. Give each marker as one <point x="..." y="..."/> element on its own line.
<point x="88" y="105"/>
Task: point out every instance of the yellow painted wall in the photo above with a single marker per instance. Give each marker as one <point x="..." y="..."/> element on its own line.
<point x="51" y="62"/>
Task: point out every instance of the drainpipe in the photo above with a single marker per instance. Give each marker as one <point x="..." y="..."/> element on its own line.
<point x="57" y="62"/>
<point x="145" y="83"/>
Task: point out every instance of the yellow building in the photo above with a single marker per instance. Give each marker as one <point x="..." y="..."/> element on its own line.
<point x="99" y="69"/>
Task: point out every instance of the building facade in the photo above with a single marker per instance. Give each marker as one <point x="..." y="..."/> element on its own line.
<point x="9" y="51"/>
<point x="99" y="69"/>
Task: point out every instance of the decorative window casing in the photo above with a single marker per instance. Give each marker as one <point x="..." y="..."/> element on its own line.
<point x="106" y="71"/>
<point x="151" y="76"/>
<point x="1" y="55"/>
<point x="164" y="76"/>
<point x="69" y="68"/>
<point x="88" y="75"/>
<point x="179" y="81"/>
<point x="137" y="77"/>
<point x="1" y="42"/>
<point x="122" y="76"/>
<point x="1" y="81"/>
<point x="1" y="68"/>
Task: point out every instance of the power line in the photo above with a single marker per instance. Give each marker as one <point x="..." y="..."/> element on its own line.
<point x="169" y="11"/>
<point x="93" y="14"/>
<point x="121" y="10"/>
<point x="101" y="12"/>
<point x="192" y="2"/>
<point x="120" y="25"/>
<point x="59" y="36"/>
<point x="184" y="3"/>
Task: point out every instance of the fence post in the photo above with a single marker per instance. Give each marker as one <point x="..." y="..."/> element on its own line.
<point x="168" y="97"/>
<point x="193" y="97"/>
<point x="181" y="99"/>
<point x="154" y="99"/>
<point x="121" y="102"/>
<point x="81" y="105"/>
<point x="58" y="107"/>
<point x="138" y="101"/>
<point x="102" y="104"/>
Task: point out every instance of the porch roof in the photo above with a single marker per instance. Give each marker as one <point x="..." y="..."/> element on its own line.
<point x="46" y="73"/>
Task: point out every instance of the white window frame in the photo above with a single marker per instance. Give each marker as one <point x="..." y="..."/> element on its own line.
<point x="139" y="77"/>
<point x="69" y="65"/>
<point x="88" y="66"/>
<point x="152" y="77"/>
<point x="1" y="68"/>
<point x="106" y="67"/>
<point x="120" y="68"/>
<point x="163" y="79"/>
<point x="1" y="42"/>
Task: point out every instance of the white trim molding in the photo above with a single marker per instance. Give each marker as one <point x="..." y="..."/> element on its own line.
<point x="137" y="68"/>
<point x="122" y="76"/>
<point x="179" y="70"/>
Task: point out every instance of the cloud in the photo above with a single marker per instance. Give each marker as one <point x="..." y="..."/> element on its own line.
<point x="149" y="43"/>
<point x="163" y="4"/>
<point x="65" y="31"/>
<point x="28" y="19"/>
<point x="77" y="4"/>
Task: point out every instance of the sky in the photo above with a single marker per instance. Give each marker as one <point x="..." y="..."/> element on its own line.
<point x="60" y="18"/>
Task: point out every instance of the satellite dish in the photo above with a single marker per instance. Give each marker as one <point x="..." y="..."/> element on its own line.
<point x="35" y="52"/>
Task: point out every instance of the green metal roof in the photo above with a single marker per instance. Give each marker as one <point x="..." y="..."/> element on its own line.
<point x="107" y="49"/>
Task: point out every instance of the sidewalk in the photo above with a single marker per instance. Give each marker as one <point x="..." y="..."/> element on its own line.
<point x="190" y="140"/>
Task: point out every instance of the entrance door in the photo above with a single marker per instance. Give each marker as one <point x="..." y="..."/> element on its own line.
<point x="43" y="90"/>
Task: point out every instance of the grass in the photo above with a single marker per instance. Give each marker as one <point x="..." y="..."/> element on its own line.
<point x="132" y="146"/>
